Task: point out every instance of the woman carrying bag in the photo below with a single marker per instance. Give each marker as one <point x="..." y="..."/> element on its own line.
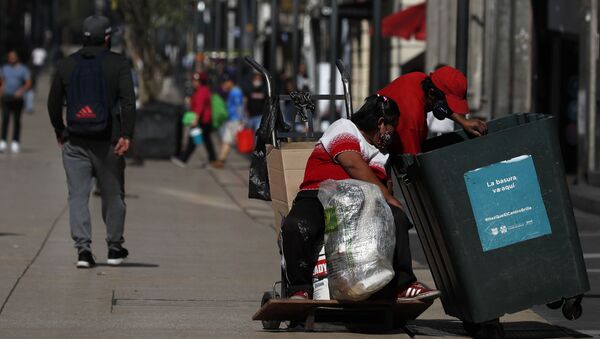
<point x="201" y="105"/>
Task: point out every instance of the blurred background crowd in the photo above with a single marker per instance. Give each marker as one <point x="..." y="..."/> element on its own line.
<point x="519" y="56"/>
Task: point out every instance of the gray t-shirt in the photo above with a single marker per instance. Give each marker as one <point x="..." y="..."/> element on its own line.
<point x="13" y="78"/>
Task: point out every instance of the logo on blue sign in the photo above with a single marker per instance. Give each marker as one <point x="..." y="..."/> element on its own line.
<point x="507" y="203"/>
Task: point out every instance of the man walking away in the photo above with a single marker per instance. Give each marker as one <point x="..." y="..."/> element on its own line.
<point x="15" y="80"/>
<point x="100" y="115"/>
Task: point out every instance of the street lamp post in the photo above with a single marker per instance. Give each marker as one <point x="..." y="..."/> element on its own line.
<point x="2" y="27"/>
<point x="462" y="35"/>
<point x="274" y="36"/>
<point x="295" y="39"/>
<point x="376" y="51"/>
<point x="333" y="45"/>
<point x="218" y="24"/>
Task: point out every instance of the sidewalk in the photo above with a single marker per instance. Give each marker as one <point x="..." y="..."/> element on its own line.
<point x="201" y="255"/>
<point x="586" y="198"/>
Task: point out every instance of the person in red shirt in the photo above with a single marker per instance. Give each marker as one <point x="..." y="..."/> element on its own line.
<point x="200" y="104"/>
<point x="443" y="92"/>
<point x="349" y="149"/>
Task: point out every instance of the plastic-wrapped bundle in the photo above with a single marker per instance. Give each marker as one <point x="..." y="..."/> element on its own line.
<point x="360" y="237"/>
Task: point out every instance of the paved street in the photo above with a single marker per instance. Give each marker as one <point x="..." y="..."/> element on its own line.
<point x="201" y="256"/>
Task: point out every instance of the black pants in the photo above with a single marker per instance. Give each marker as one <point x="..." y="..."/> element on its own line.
<point x="11" y="106"/>
<point x="302" y="238"/>
<point x="207" y="141"/>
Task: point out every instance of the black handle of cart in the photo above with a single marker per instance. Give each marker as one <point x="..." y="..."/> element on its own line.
<point x="306" y="109"/>
<point x="263" y="71"/>
<point x="346" y="83"/>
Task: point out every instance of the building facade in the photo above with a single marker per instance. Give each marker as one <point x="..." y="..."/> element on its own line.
<point x="530" y="56"/>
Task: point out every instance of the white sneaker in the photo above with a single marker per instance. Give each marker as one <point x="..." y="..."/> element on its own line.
<point x="2" y="146"/>
<point x="178" y="162"/>
<point x="14" y="147"/>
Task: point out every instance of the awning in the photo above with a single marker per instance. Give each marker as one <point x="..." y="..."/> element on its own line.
<point x="406" y="23"/>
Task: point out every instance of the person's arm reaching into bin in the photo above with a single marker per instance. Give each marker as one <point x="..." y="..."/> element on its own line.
<point x="472" y="126"/>
<point x="357" y="168"/>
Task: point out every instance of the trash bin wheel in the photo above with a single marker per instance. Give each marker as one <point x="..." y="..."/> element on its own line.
<point x="572" y="309"/>
<point x="270" y="324"/>
<point x="492" y="330"/>
<point x="555" y="305"/>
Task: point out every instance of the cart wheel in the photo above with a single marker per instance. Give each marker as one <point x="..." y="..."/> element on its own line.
<point x="269" y="324"/>
<point x="555" y="305"/>
<point x="471" y="328"/>
<point x="492" y="329"/>
<point x="572" y="308"/>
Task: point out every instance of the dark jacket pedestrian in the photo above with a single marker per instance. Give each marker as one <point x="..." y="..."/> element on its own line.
<point x="93" y="146"/>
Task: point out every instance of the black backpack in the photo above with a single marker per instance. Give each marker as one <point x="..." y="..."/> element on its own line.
<point x="88" y="112"/>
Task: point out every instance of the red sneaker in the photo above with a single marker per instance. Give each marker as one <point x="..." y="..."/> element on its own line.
<point x="418" y="291"/>
<point x="300" y="295"/>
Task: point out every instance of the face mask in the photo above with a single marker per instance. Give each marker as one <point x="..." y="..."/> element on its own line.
<point x="385" y="139"/>
<point x="256" y="83"/>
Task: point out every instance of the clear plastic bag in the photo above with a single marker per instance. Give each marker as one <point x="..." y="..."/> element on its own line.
<point x="360" y="238"/>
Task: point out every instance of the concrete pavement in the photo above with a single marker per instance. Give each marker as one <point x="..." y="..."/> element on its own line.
<point x="201" y="256"/>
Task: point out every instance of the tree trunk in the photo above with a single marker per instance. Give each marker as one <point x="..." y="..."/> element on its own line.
<point x="139" y="34"/>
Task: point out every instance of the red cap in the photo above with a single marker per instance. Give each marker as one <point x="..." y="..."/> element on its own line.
<point x="454" y="85"/>
<point x="201" y="76"/>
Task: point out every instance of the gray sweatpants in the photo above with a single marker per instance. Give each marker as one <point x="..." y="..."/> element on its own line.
<point x="82" y="161"/>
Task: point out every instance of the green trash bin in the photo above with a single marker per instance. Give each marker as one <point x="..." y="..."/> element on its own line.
<point x="495" y="219"/>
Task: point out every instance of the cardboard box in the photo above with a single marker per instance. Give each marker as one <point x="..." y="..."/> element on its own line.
<point x="286" y="171"/>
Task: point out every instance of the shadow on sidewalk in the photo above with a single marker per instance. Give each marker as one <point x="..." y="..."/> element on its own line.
<point x="128" y="264"/>
<point x="10" y="234"/>
<point x="516" y="329"/>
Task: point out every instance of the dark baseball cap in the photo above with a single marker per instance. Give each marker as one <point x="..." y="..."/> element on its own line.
<point x="96" y="28"/>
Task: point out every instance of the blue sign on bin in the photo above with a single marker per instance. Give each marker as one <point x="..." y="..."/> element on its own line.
<point x="507" y="202"/>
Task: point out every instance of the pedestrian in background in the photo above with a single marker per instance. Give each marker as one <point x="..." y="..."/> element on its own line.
<point x="255" y="104"/>
<point x="201" y="105"/>
<point x="229" y="130"/>
<point x="38" y="59"/>
<point x="98" y="89"/>
<point x="15" y="80"/>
